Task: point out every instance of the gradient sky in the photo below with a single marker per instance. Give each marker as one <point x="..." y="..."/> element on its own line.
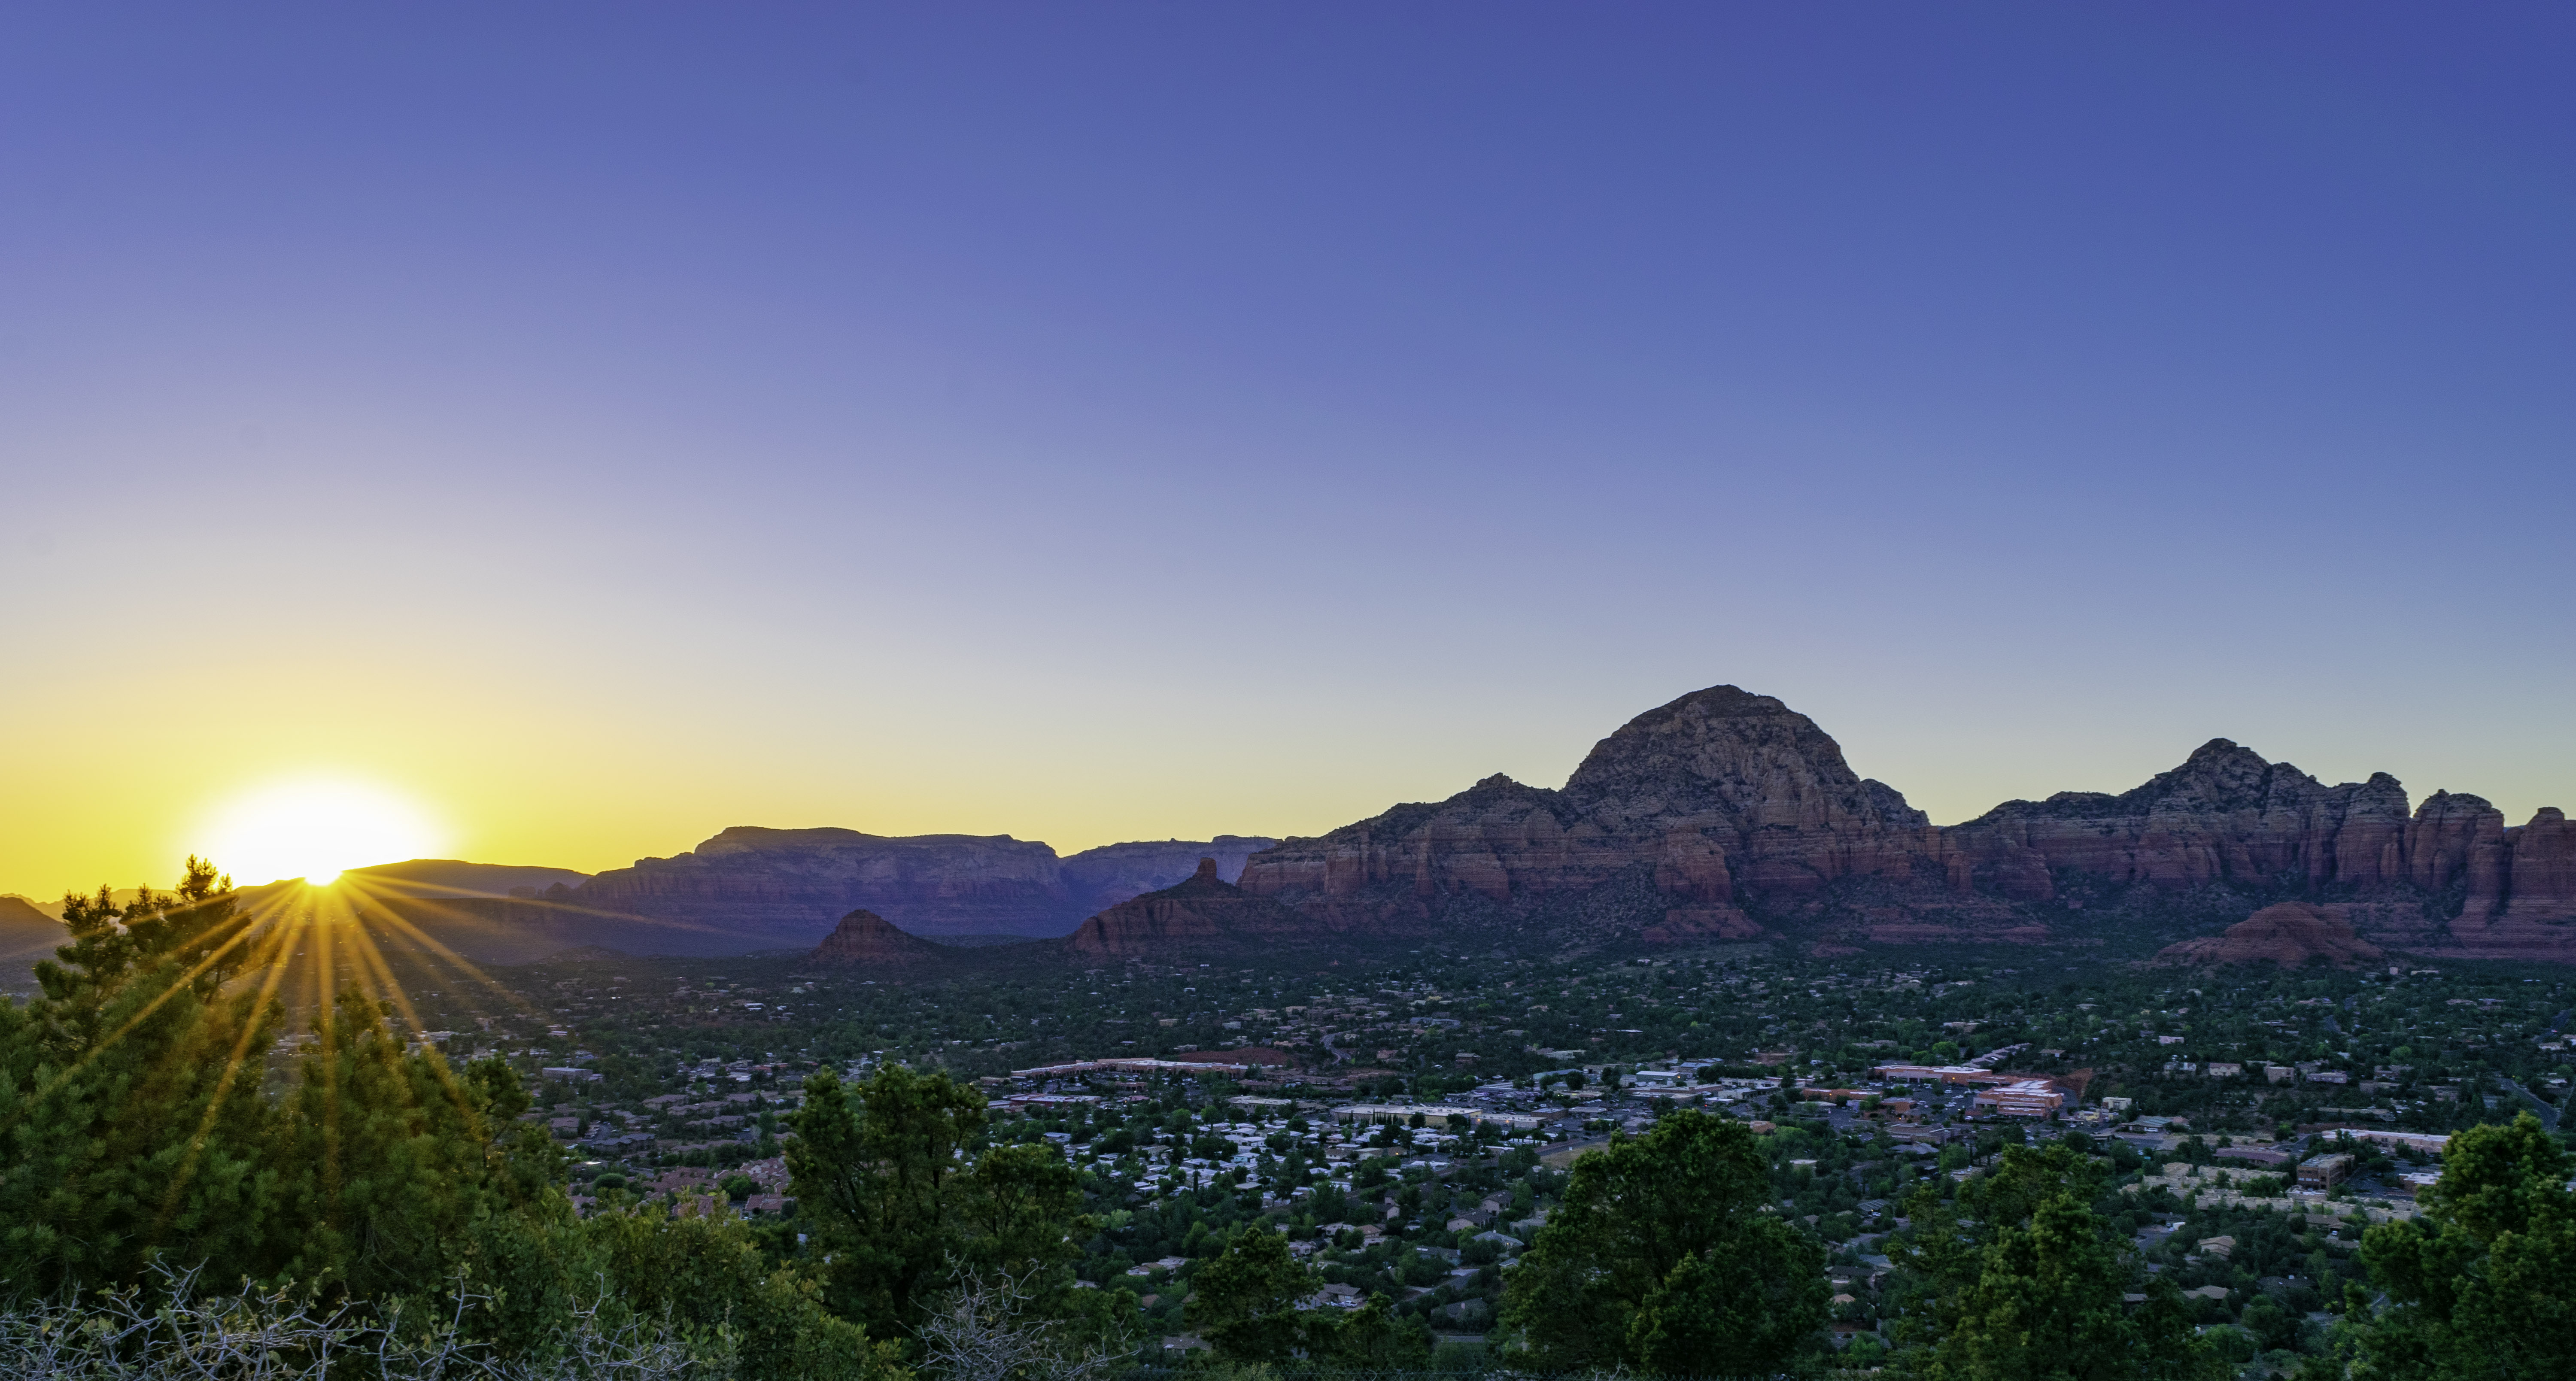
<point x="607" y="424"/>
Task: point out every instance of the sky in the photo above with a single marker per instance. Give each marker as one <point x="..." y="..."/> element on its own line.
<point x="600" y="425"/>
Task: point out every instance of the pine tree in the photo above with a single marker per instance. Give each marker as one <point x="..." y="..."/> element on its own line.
<point x="131" y="1121"/>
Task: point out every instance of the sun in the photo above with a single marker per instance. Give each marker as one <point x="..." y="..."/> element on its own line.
<point x="315" y="829"/>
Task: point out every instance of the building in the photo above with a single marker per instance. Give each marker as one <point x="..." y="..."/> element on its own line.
<point x="1402" y="1114"/>
<point x="1944" y="1074"/>
<point x="2426" y="1143"/>
<point x="2264" y="1156"/>
<point x="2318" y="1172"/>
<point x="2021" y="1098"/>
<point x="1130" y="1066"/>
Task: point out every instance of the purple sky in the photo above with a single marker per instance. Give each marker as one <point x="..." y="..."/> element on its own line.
<point x="610" y="424"/>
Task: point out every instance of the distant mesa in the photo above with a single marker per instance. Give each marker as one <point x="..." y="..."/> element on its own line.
<point x="28" y="934"/>
<point x="456" y="878"/>
<point x="791" y="885"/>
<point x="2290" y="934"/>
<point x="865" y="939"/>
<point x="1204" y="913"/>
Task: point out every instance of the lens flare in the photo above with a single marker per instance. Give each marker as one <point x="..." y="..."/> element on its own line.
<point x="315" y="830"/>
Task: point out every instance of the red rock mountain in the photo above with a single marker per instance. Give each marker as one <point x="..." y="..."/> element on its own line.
<point x="1728" y="814"/>
<point x="1202" y="914"/>
<point x="865" y="939"/>
<point x="2288" y="934"/>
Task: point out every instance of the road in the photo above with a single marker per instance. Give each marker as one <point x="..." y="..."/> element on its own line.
<point x="2548" y="1114"/>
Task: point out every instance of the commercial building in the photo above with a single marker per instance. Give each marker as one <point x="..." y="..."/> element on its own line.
<point x="2021" y="1098"/>
<point x="2319" y="1172"/>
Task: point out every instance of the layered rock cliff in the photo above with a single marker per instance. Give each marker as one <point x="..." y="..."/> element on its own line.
<point x="2224" y="814"/>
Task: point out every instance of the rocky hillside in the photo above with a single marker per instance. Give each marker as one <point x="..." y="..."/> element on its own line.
<point x="2290" y="934"/>
<point x="1728" y="815"/>
<point x="452" y="877"/>
<point x="27" y="937"/>
<point x="1200" y="915"/>
<point x="867" y="940"/>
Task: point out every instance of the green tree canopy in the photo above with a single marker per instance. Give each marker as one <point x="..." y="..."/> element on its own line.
<point x="2483" y="1286"/>
<point x="131" y="1121"/>
<point x="1662" y="1258"/>
<point x="883" y="1166"/>
<point x="2027" y="1282"/>
<point x="1244" y="1303"/>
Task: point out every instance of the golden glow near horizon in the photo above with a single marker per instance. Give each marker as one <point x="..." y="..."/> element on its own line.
<point x="314" y="828"/>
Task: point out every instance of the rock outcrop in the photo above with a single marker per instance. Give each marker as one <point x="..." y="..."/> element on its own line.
<point x="1203" y="914"/>
<point x="1100" y="878"/>
<point x="865" y="939"/>
<point x="2225" y="814"/>
<point x="1674" y="822"/>
<point x="2289" y="934"/>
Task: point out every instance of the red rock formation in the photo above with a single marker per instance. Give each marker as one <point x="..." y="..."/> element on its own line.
<point x="1717" y="796"/>
<point x="2454" y="837"/>
<point x="2289" y="935"/>
<point x="2540" y="870"/>
<point x="1702" y="815"/>
<point x="1200" y="915"/>
<point x="2224" y="814"/>
<point x="865" y="939"/>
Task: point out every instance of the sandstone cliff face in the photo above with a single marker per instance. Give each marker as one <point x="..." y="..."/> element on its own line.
<point x="2224" y="814"/>
<point x="2289" y="934"/>
<point x="1203" y="914"/>
<point x="865" y="939"/>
